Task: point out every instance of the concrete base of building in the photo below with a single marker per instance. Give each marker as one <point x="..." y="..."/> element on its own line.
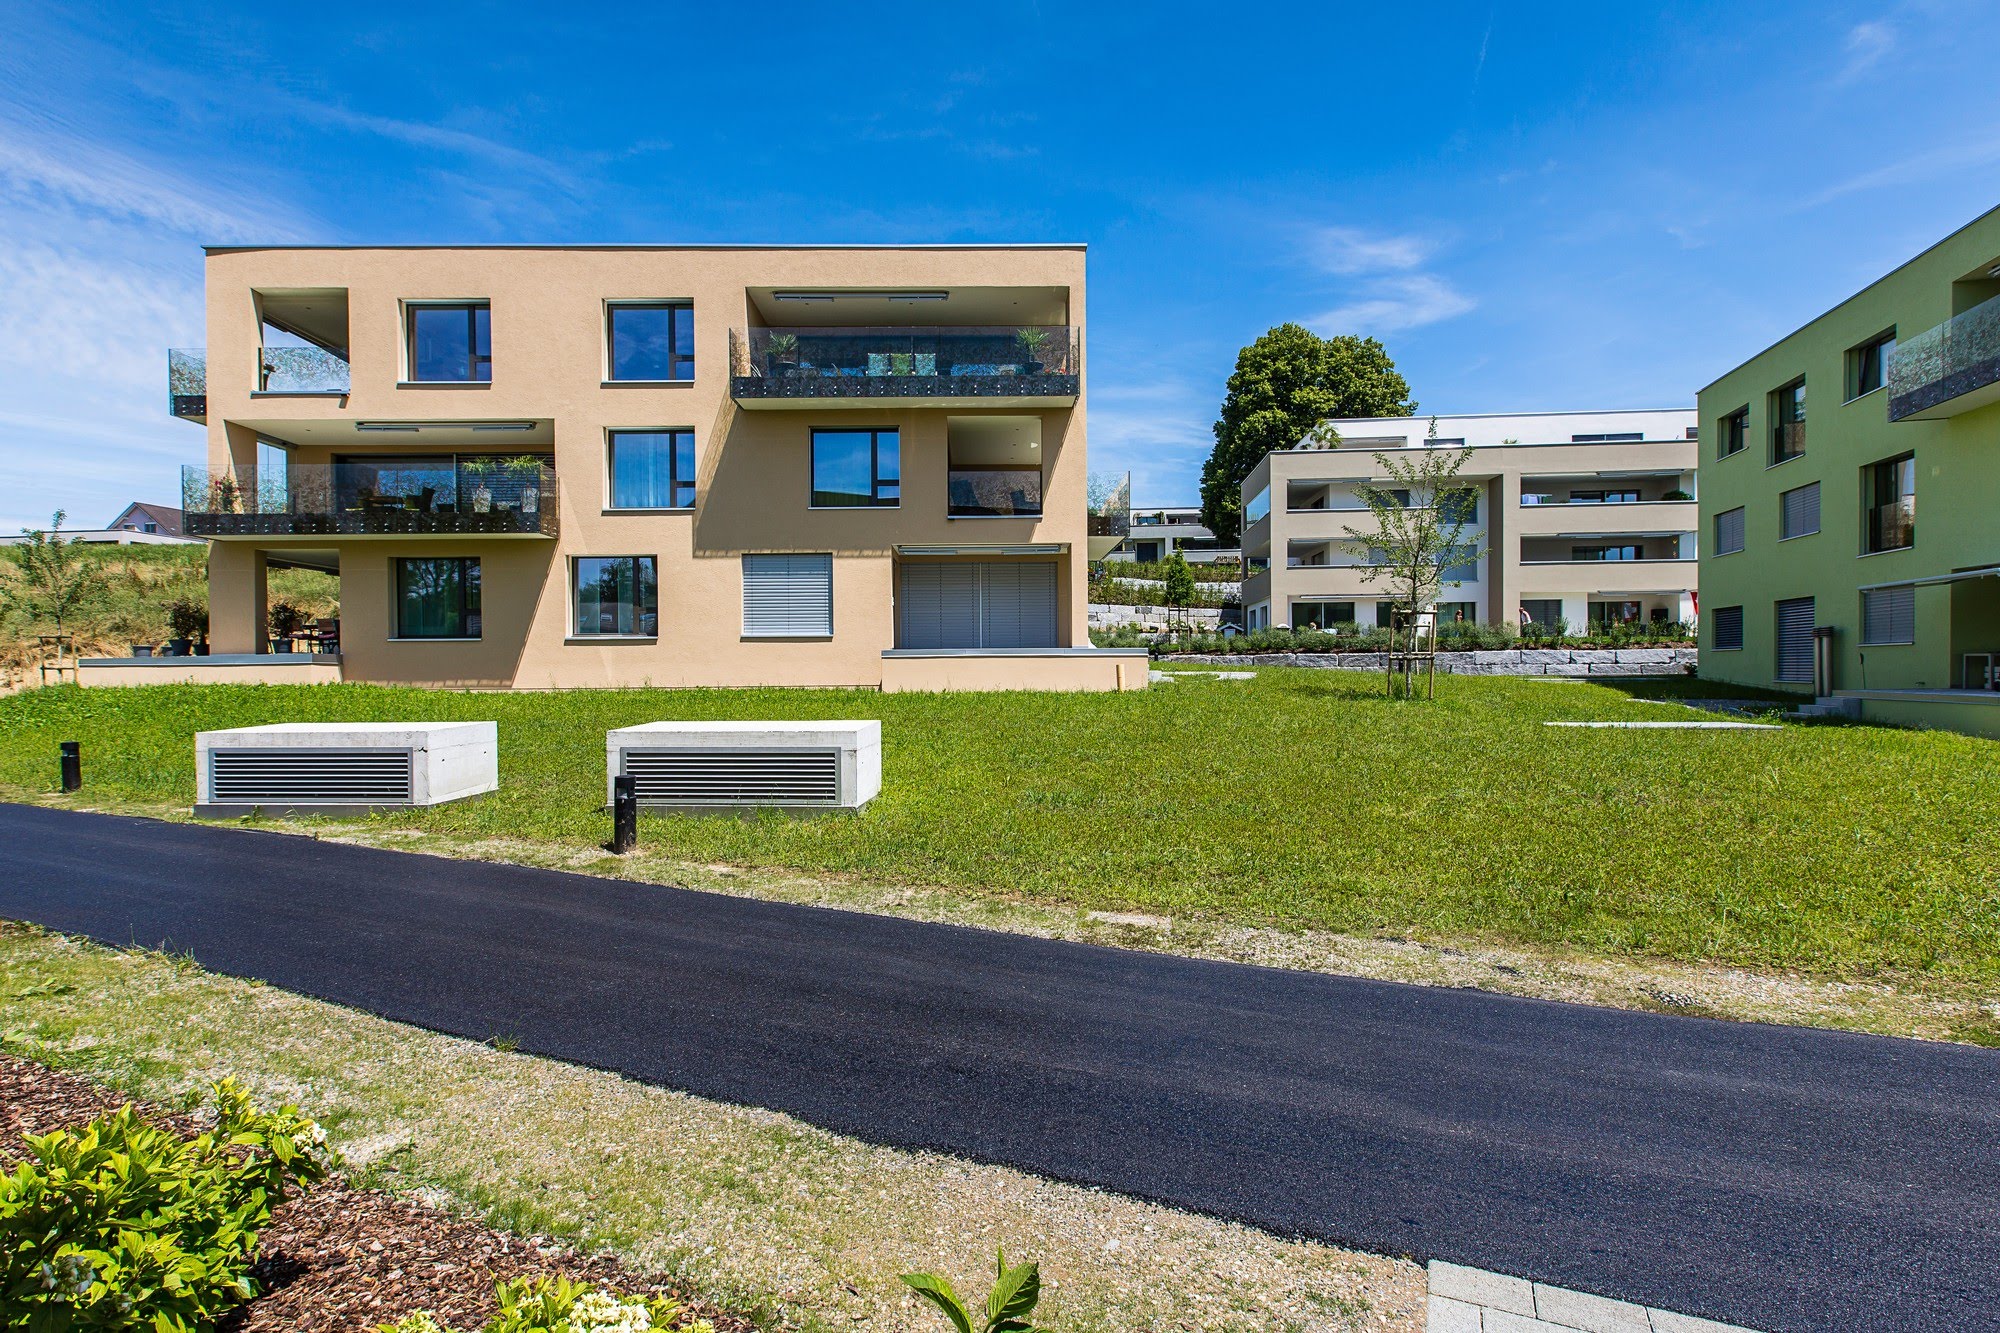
<point x="1072" y="669"/>
<point x="222" y="669"/>
<point x="1974" y="712"/>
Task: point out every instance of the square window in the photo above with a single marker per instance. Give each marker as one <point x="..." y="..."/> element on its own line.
<point x="613" y="596"/>
<point x="857" y="469"/>
<point x="451" y="343"/>
<point x="651" y="340"/>
<point x="437" y="598"/>
<point x="788" y="596"/>
<point x="1726" y="628"/>
<point x="652" y="469"/>
<point x="1888" y="615"/>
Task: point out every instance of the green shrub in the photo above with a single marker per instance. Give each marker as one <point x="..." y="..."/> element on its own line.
<point x="558" y="1305"/>
<point x="1015" y="1293"/>
<point x="124" y="1225"/>
<point x="1347" y="638"/>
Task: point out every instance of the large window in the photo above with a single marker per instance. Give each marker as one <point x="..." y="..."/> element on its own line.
<point x="788" y="596"/>
<point x="1889" y="495"/>
<point x="1632" y="551"/>
<point x="615" y="595"/>
<point x="1868" y="365"/>
<point x="437" y="598"/>
<point x="1542" y="611"/>
<point x="1629" y="496"/>
<point x="652" y="469"/>
<point x="1788" y="422"/>
<point x="1460" y="564"/>
<point x="1615" y="613"/>
<point x="1733" y="433"/>
<point x="1321" y="615"/>
<point x="1726" y="628"/>
<point x="1798" y="512"/>
<point x="651" y="340"/>
<point x="1888" y="615"/>
<point x="857" y="469"/>
<point x="1459" y="504"/>
<point x="451" y="343"/>
<point x="1729" y="531"/>
<point x="1457" y="613"/>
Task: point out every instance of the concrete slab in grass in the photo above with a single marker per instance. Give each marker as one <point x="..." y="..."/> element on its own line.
<point x="1673" y="726"/>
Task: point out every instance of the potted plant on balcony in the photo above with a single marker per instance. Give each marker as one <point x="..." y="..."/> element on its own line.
<point x="1677" y="494"/>
<point x="482" y="495"/>
<point x="783" y="354"/>
<point x="284" y="621"/>
<point x="1031" y="341"/>
<point x="526" y="470"/>
<point x="187" y="620"/>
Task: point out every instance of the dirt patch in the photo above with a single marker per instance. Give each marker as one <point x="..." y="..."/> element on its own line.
<point x="342" y="1258"/>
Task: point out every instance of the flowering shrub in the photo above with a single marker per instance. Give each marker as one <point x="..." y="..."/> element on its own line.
<point x="557" y="1305"/>
<point x="124" y="1225"/>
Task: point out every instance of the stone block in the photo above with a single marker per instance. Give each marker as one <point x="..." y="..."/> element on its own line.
<point x="1588" y="1313"/>
<point x="1621" y="669"/>
<point x="1648" y="656"/>
<point x="1449" y="1316"/>
<point x="1477" y="1286"/>
<point x="1544" y="656"/>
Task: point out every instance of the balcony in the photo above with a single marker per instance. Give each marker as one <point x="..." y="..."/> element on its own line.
<point x="301" y="370"/>
<point x="1951" y="369"/>
<point x="462" y="496"/>
<point x="805" y="367"/>
<point x="995" y="493"/>
<point x="1109" y="514"/>
<point x="187" y="383"/>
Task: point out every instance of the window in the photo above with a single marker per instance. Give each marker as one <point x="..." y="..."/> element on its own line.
<point x="857" y="469"/>
<point x="1628" y="497"/>
<point x="1457" y="613"/>
<point x="614" y="595"/>
<point x="1795" y="639"/>
<point x="1889" y="497"/>
<point x="273" y="479"/>
<point x="1888" y="615"/>
<point x="1543" y="611"/>
<point x="1725" y="625"/>
<point x="1798" y="512"/>
<point x="1385" y="614"/>
<point x="151" y="527"/>
<point x="652" y="469"/>
<point x="1788" y="415"/>
<point x="651" y="340"/>
<point x="451" y="343"/>
<point x="1456" y="442"/>
<point x="1729" y="531"/>
<point x="1458" y="505"/>
<point x="1733" y="433"/>
<point x="788" y="596"/>
<point x="1459" y="564"/>
<point x="1618" y="438"/>
<point x="1868" y="365"/>
<point x="1321" y="615"/>
<point x="1615" y="613"/>
<point x="1633" y="551"/>
<point x="1694" y="432"/>
<point x="437" y="598"/>
<point x="1258" y="508"/>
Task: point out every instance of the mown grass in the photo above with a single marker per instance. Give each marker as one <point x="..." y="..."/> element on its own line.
<point x="1301" y="798"/>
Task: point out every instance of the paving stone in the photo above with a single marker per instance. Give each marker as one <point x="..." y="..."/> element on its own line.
<point x="1666" y="1321"/>
<point x="1479" y="1287"/>
<point x="1650" y="656"/>
<point x="1591" y="1314"/>
<point x="1501" y="1321"/>
<point x="1450" y="1316"/>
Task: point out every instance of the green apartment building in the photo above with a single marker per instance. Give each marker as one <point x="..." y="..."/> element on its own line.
<point x="1820" y="572"/>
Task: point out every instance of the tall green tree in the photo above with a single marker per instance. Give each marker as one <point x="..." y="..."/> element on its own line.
<point x="1285" y="383"/>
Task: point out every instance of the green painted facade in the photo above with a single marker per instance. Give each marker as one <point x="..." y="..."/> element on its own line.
<point x="1943" y="308"/>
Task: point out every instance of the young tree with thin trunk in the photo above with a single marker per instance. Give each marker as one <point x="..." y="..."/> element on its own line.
<point x="59" y="583"/>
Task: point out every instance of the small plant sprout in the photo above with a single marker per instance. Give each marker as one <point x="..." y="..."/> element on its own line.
<point x="1009" y="1304"/>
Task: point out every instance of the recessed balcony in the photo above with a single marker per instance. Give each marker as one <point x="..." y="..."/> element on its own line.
<point x="944" y="367"/>
<point x="496" y="496"/>
<point x="1948" y="370"/>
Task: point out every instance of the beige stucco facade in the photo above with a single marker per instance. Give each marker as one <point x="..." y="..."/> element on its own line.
<point x="552" y="393"/>
<point x="1570" y="528"/>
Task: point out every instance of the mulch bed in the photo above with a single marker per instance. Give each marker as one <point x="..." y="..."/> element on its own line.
<point x="342" y="1258"/>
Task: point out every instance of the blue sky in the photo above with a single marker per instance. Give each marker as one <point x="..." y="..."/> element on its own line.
<point x="1535" y="206"/>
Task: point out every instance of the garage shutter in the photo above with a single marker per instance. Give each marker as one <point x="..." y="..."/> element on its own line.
<point x="978" y="604"/>
<point x="1889" y="615"/>
<point x="1800" y="511"/>
<point x="1795" y="643"/>
<point x="787" y="596"/>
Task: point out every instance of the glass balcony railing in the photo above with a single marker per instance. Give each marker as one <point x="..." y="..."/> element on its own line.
<point x="187" y="382"/>
<point x="995" y="493"/>
<point x="491" y="496"/>
<point x="1938" y="366"/>
<point x="301" y="370"/>
<point x="1028" y="362"/>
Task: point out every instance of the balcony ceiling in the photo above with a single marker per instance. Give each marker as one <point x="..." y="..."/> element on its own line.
<point x="316" y="314"/>
<point x="459" y="433"/>
<point x="850" y="307"/>
<point x="995" y="441"/>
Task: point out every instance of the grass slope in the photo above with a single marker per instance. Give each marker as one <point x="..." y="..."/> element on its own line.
<point x="1298" y="799"/>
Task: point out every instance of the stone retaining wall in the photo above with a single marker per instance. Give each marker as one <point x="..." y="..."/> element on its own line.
<point x="1111" y="617"/>
<point x="1491" y="662"/>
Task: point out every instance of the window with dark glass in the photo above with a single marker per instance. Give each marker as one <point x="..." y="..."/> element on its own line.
<point x="652" y="469"/>
<point x="1460" y="564"/>
<point x="1614" y="437"/>
<point x="1542" y="611"/>
<point x="1626" y="552"/>
<point x="1868" y="365"/>
<point x="652" y="340"/>
<point x="1321" y="615"/>
<point x="1622" y="497"/>
<point x="1788" y="417"/>
<point x="614" y="595"/>
<point x="451" y="343"/>
<point x="1734" y="433"/>
<point x="1889" y="495"/>
<point x="1458" y="505"/>
<point x="856" y="469"/>
<point x="437" y="598"/>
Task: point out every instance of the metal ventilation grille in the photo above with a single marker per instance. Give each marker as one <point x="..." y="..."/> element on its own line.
<point x="310" y="777"/>
<point x="735" y="777"/>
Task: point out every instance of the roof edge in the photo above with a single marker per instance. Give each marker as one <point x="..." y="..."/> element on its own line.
<point x="691" y="245"/>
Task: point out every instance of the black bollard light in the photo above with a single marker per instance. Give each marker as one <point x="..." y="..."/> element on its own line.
<point x="624" y="814"/>
<point x="72" y="766"/>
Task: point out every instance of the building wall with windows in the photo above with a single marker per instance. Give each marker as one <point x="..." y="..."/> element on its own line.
<point x="1851" y="477"/>
<point x="1576" y="516"/>
<point x="1159" y="531"/>
<point x="573" y="466"/>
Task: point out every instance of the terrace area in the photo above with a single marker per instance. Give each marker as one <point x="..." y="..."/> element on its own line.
<point x="445" y="495"/>
<point x="1027" y="364"/>
<point x="1950" y="369"/>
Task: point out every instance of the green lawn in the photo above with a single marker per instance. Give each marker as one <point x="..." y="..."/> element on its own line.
<point x="1299" y="798"/>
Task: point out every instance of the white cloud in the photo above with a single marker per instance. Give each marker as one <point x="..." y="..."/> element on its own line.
<point x="1866" y="46"/>
<point x="1389" y="305"/>
<point x="1349" y="250"/>
<point x="1157" y="431"/>
<point x="1918" y="167"/>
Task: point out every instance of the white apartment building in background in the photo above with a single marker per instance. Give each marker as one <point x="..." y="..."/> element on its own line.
<point x="1163" y="529"/>
<point x="1581" y="516"/>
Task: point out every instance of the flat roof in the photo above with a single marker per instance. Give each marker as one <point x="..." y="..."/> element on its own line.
<point x="1485" y="416"/>
<point x="690" y="245"/>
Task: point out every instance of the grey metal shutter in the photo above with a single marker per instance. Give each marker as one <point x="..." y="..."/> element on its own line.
<point x="940" y="606"/>
<point x="1889" y="615"/>
<point x="1795" y="639"/>
<point x="1019" y="606"/>
<point x="787" y="596"/>
<point x="734" y="777"/>
<point x="1729" y="531"/>
<point x="299" y="776"/>
<point x="1800" y="511"/>
<point x="1727" y="622"/>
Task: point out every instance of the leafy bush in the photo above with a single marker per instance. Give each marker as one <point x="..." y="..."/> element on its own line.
<point x="558" y="1305"/>
<point x="1015" y="1293"/>
<point x="125" y="1225"/>
<point x="1206" y="571"/>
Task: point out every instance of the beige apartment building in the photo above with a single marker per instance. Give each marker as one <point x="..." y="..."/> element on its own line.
<point x="548" y="467"/>
<point x="1581" y="517"/>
